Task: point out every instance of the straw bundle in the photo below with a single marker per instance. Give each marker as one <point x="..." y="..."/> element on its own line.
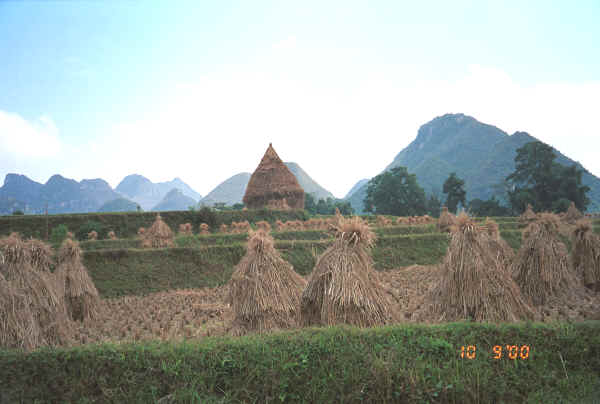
<point x="112" y="235"/>
<point x="446" y="220"/>
<point x="263" y="225"/>
<point x="279" y="225"/>
<point x="70" y="235"/>
<point x="185" y="229"/>
<point x="586" y="254"/>
<point x="383" y="221"/>
<point x="40" y="255"/>
<point x="93" y="235"/>
<point x="497" y="245"/>
<point x="159" y="235"/>
<point x="344" y="287"/>
<point x="39" y="289"/>
<point x="223" y="228"/>
<point x="264" y="289"/>
<point x="141" y="232"/>
<point x="18" y="326"/>
<point x="204" y="228"/>
<point x="474" y="284"/>
<point x="541" y="268"/>
<point x="528" y="216"/>
<point x="573" y="214"/>
<point x="80" y="294"/>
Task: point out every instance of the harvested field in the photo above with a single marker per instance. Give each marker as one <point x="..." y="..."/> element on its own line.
<point x="197" y="313"/>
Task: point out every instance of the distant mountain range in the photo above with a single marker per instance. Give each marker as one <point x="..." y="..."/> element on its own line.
<point x="175" y="200"/>
<point x="63" y="195"/>
<point x="481" y="154"/>
<point x="148" y="194"/>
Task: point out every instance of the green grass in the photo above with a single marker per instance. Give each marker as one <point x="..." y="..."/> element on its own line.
<point x="402" y="363"/>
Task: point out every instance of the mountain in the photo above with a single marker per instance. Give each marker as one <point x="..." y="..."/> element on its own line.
<point x="356" y="187"/>
<point x="63" y="195"/>
<point x="148" y="194"/>
<point x="118" y="205"/>
<point x="230" y="191"/>
<point x="308" y="184"/>
<point x="480" y="154"/>
<point x="175" y="200"/>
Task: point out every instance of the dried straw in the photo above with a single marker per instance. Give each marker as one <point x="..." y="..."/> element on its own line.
<point x="586" y="254"/>
<point x="541" y="268"/>
<point x="204" y="228"/>
<point x="344" y="287"/>
<point x="528" y="216"/>
<point x="159" y="235"/>
<point x="112" y="235"/>
<point x="446" y="221"/>
<point x="18" y="326"/>
<point x="474" y="284"/>
<point x="80" y="294"/>
<point x="264" y="290"/>
<point x="573" y="214"/>
<point x="497" y="245"/>
<point x="40" y="255"/>
<point x="93" y="235"/>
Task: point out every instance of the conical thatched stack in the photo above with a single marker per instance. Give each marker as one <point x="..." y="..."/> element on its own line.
<point x="586" y="254"/>
<point x="39" y="288"/>
<point x="498" y="246"/>
<point x="446" y="220"/>
<point x="273" y="185"/>
<point x="528" y="216"/>
<point x="344" y="287"/>
<point x="573" y="214"/>
<point x="474" y="284"/>
<point x="541" y="268"/>
<point x="159" y="235"/>
<point x="264" y="289"/>
<point x="77" y="288"/>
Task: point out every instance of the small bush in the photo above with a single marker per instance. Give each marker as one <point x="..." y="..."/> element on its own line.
<point x="59" y="234"/>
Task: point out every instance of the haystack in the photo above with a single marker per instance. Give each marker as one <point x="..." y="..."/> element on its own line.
<point x="498" y="246"/>
<point x="273" y="185"/>
<point x="264" y="289"/>
<point x="18" y="326"/>
<point x="344" y="287"/>
<point x="77" y="288"/>
<point x="39" y="289"/>
<point x="474" y="284"/>
<point x="541" y="268"/>
<point x="40" y="255"/>
<point x="204" y="228"/>
<point x="93" y="235"/>
<point x="528" y="216"/>
<point x="586" y="254"/>
<point x="573" y="214"/>
<point x="159" y="235"/>
<point x="185" y="229"/>
<point x="446" y="220"/>
<point x="263" y="225"/>
<point x="112" y="235"/>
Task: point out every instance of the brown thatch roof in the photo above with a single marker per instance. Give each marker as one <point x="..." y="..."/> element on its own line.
<point x="474" y="284"/>
<point x="264" y="289"/>
<point x="541" y="268"/>
<point x="273" y="185"/>
<point x="586" y="254"/>
<point x="344" y="287"/>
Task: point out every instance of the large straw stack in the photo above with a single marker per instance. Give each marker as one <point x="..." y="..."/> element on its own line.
<point x="528" y="215"/>
<point x="497" y="245"/>
<point x="18" y="326"/>
<point x="80" y="295"/>
<point x="344" y="287"/>
<point x="264" y="289"/>
<point x="573" y="214"/>
<point x="586" y="254"/>
<point x="39" y="290"/>
<point x="159" y="235"/>
<point x="446" y="220"/>
<point x="474" y="284"/>
<point x="541" y="268"/>
<point x="40" y="255"/>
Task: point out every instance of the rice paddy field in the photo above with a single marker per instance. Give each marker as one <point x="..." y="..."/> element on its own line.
<point x="164" y="332"/>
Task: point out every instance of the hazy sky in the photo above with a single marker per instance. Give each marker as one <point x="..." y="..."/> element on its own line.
<point x="103" y="89"/>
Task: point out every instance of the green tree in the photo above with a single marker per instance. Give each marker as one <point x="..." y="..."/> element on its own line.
<point x="454" y="187"/>
<point x="434" y="206"/>
<point x="395" y="192"/>
<point x="491" y="207"/>
<point x="544" y="183"/>
<point x="59" y="234"/>
<point x="309" y="204"/>
<point x="18" y="212"/>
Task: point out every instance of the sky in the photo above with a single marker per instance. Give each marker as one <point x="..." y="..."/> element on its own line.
<point x="198" y="90"/>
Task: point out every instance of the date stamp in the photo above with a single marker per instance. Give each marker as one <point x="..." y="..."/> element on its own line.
<point x="512" y="352"/>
